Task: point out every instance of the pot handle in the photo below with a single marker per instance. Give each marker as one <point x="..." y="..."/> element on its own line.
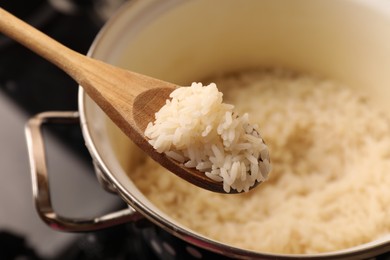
<point x="40" y="182"/>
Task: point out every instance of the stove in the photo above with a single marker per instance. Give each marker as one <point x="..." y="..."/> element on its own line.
<point x="30" y="85"/>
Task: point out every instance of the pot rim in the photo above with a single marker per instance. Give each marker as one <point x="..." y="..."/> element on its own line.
<point x="362" y="251"/>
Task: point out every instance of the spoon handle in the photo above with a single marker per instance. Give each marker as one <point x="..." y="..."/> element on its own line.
<point x="38" y="42"/>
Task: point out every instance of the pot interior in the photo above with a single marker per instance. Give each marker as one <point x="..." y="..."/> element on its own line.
<point x="186" y="41"/>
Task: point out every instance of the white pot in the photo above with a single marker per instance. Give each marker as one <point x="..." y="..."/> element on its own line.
<point x="185" y="41"/>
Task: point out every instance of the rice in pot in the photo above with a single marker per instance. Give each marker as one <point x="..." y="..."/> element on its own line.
<point x="329" y="187"/>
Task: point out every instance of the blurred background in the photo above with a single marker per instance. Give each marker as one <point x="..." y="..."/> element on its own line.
<point x="30" y="85"/>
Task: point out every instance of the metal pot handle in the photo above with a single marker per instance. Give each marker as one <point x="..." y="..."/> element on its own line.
<point x="40" y="182"/>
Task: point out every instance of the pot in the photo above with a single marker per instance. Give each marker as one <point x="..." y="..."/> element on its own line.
<point x="184" y="41"/>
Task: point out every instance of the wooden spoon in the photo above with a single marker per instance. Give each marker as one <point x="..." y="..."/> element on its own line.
<point x="128" y="98"/>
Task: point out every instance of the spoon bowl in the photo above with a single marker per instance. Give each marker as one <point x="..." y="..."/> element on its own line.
<point x="129" y="99"/>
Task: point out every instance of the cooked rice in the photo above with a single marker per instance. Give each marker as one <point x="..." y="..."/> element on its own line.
<point x="329" y="187"/>
<point x="197" y="129"/>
